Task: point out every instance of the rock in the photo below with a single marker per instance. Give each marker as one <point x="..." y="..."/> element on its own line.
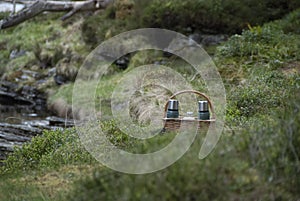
<point x="123" y="62"/>
<point x="42" y="81"/>
<point x="181" y="43"/>
<point x="11" y="93"/>
<point x="32" y="74"/>
<point x="61" y="122"/>
<point x="7" y="98"/>
<point x="20" y="130"/>
<point x="6" y="147"/>
<point x="30" y="93"/>
<point x="208" y="40"/>
<point x="60" y="79"/>
<point x="13" y="137"/>
<point x="16" y="53"/>
<point x="196" y="37"/>
<point x="51" y="72"/>
<point x="25" y="77"/>
<point x="8" y="86"/>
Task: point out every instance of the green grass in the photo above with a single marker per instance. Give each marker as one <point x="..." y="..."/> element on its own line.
<point x="267" y="47"/>
<point x="47" y="43"/>
<point x="24" y="192"/>
<point x="262" y="160"/>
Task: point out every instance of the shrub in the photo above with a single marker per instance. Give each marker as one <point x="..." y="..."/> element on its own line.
<point x="101" y="26"/>
<point x="52" y="149"/>
<point x="57" y="148"/>
<point x="290" y="23"/>
<point x="273" y="146"/>
<point x="259" y="95"/>
<point x="265" y="43"/>
<point x="213" y="178"/>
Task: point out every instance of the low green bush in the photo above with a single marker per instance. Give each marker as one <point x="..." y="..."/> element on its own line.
<point x="273" y="145"/>
<point x="290" y="23"/>
<point x="259" y="95"/>
<point x="213" y="178"/>
<point x="60" y="147"/>
<point x="50" y="150"/>
<point x="266" y="47"/>
<point x="99" y="27"/>
<point x="265" y="44"/>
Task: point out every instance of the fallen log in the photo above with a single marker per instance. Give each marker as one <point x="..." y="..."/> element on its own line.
<point x="53" y="6"/>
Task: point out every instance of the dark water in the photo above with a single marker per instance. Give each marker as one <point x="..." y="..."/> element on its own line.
<point x="20" y="105"/>
<point x="22" y="114"/>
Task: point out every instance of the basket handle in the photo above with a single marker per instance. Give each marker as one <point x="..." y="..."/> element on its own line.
<point x="195" y="92"/>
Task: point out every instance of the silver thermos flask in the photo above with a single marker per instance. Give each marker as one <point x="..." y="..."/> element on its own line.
<point x="203" y="110"/>
<point x="172" y="111"/>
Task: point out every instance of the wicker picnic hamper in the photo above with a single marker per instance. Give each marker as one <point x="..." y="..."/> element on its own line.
<point x="173" y="124"/>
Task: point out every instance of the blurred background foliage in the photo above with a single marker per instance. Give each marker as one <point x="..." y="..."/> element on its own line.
<point x="190" y="16"/>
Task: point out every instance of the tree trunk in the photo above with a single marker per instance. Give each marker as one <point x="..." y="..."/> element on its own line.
<point x="53" y="6"/>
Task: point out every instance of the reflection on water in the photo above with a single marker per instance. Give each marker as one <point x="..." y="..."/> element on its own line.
<point x="20" y="114"/>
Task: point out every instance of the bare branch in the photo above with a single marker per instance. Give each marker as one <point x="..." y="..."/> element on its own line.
<point x="25" y="2"/>
<point x="53" y="6"/>
<point x="14" y="9"/>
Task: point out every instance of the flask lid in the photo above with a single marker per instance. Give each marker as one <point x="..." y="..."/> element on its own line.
<point x="173" y="104"/>
<point x="203" y="106"/>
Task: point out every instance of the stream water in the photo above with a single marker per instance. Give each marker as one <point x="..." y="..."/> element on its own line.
<point x="14" y="113"/>
<point x="23" y="114"/>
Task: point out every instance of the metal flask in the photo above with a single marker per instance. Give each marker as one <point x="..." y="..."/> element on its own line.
<point x="173" y="104"/>
<point x="173" y="109"/>
<point x="203" y="110"/>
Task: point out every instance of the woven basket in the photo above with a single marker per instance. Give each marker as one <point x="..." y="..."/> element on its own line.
<point x="173" y="124"/>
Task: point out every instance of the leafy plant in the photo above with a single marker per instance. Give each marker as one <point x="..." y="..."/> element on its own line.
<point x="259" y="95"/>
<point x="273" y="145"/>
<point x="52" y="149"/>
